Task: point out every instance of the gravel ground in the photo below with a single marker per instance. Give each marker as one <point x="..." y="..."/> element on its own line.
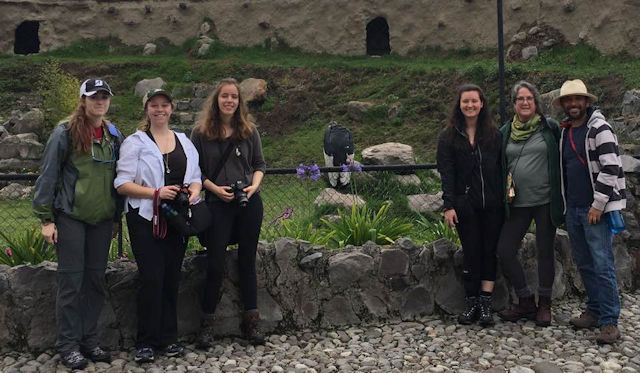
<point x="431" y="345"/>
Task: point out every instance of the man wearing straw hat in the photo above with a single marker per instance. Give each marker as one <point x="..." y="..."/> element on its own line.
<point x="592" y="185"/>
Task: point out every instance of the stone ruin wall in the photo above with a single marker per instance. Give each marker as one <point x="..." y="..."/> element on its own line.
<point x="335" y="27"/>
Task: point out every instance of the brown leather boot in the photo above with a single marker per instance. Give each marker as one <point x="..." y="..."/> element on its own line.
<point x="543" y="317"/>
<point x="249" y="327"/>
<point x="608" y="334"/>
<point x="205" y="336"/>
<point x="525" y="309"/>
<point x="587" y="320"/>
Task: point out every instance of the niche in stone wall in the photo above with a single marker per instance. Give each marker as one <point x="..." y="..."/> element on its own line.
<point x="26" y="38"/>
<point x="378" y="37"/>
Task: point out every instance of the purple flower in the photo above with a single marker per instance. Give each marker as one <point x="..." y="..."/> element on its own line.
<point x="301" y="171"/>
<point x="8" y="252"/>
<point x="345" y="168"/>
<point x="357" y="167"/>
<point x="312" y="171"/>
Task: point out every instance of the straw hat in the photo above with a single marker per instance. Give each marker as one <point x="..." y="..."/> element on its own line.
<point x="574" y="88"/>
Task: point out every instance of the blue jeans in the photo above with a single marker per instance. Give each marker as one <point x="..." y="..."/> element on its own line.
<point x="592" y="247"/>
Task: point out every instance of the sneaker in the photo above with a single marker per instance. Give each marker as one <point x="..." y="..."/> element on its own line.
<point x="173" y="349"/>
<point x="74" y="360"/>
<point x="97" y="354"/>
<point x="144" y="355"/>
<point x="587" y="320"/>
<point x="608" y="334"/>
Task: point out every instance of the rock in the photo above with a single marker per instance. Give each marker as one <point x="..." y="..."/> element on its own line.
<point x="568" y="6"/>
<point x="520" y="36"/>
<point x="185" y="118"/>
<point x="182" y="105"/>
<point x="412" y="179"/>
<point x="393" y="262"/>
<point x="203" y="50"/>
<point x="516" y="5"/>
<point x="337" y="311"/>
<point x="629" y="163"/>
<point x="357" y="110"/>
<point x="330" y="196"/>
<point x="549" y="43"/>
<point x="202" y="90"/>
<point x="145" y="85"/>
<point x="346" y="269"/>
<point x="631" y="103"/>
<point x="15" y="191"/>
<point x="547" y="107"/>
<point x="149" y="49"/>
<point x="534" y="30"/>
<point x="390" y="153"/>
<point x="253" y="90"/>
<point x="449" y="293"/>
<point x="394" y="110"/>
<point x="546" y="367"/>
<point x="3" y="132"/>
<point x="24" y="146"/>
<point x="520" y="369"/>
<point x="529" y="52"/>
<point x="310" y="261"/>
<point x="425" y="202"/>
<point x="204" y="29"/>
<point x="29" y="122"/>
<point x="417" y="302"/>
<point x="18" y="165"/>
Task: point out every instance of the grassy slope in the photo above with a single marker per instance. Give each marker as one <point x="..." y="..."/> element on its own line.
<point x="307" y="91"/>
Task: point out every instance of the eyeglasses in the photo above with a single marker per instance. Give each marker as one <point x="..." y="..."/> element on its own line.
<point x="111" y="160"/>
<point x="522" y="99"/>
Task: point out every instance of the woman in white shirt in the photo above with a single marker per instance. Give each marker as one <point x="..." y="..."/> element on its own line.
<point x="154" y="163"/>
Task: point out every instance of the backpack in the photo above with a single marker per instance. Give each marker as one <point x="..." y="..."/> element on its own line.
<point x="338" y="143"/>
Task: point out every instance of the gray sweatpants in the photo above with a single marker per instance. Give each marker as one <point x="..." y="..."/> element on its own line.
<point x="83" y="250"/>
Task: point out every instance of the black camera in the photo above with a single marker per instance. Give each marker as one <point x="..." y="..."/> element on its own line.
<point x="178" y="205"/>
<point x="239" y="194"/>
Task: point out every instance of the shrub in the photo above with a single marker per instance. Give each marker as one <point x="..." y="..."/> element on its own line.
<point x="298" y="230"/>
<point x="28" y="247"/>
<point x="431" y="231"/>
<point x="363" y="225"/>
<point x="58" y="90"/>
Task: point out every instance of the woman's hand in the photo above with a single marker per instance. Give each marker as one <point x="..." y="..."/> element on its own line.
<point x="451" y="218"/>
<point x="194" y="192"/>
<point x="223" y="192"/>
<point x="50" y="232"/>
<point x="250" y="190"/>
<point x="168" y="192"/>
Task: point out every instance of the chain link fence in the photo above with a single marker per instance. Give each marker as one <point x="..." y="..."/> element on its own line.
<point x="295" y="195"/>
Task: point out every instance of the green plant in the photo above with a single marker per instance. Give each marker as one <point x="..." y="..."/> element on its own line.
<point x="298" y="230"/>
<point x="58" y="90"/>
<point x="28" y="247"/>
<point x="430" y="230"/>
<point x="364" y="225"/>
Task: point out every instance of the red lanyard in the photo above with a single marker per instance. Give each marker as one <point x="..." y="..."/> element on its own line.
<point x="573" y="146"/>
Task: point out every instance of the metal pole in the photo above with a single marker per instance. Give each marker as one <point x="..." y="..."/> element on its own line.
<point x="501" y="83"/>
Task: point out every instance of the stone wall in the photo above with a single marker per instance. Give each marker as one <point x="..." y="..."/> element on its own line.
<point x="335" y="27"/>
<point x="299" y="286"/>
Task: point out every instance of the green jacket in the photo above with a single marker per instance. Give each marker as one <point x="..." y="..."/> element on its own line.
<point x="76" y="183"/>
<point x="551" y="135"/>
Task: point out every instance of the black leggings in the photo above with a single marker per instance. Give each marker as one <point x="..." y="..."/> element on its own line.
<point x="479" y="230"/>
<point x="245" y="223"/>
<point x="511" y="236"/>
<point x="159" y="264"/>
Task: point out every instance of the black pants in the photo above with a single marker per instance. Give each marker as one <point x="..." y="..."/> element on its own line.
<point x="82" y="250"/>
<point x="159" y="263"/>
<point x="479" y="230"/>
<point x="512" y="233"/>
<point x="245" y="223"/>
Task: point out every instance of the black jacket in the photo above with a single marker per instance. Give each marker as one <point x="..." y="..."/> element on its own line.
<point x="470" y="176"/>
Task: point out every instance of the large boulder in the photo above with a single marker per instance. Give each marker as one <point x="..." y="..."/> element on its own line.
<point x="390" y="153"/>
<point x="18" y="165"/>
<point x="425" y="202"/>
<point x="16" y="191"/>
<point x="149" y="49"/>
<point x="253" y="90"/>
<point x="23" y="146"/>
<point x="631" y="103"/>
<point x="630" y="164"/>
<point x="332" y="197"/>
<point x="29" y="122"/>
<point x="357" y="110"/>
<point x="145" y="85"/>
<point x="548" y="109"/>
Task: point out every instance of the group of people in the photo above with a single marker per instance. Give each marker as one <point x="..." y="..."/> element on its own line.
<point x="496" y="182"/>
<point x="91" y="175"/>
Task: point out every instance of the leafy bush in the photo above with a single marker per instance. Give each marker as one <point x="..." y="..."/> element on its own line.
<point x="363" y="225"/>
<point x="298" y="230"/>
<point x="28" y="247"/>
<point x="58" y="90"/>
<point x="430" y="230"/>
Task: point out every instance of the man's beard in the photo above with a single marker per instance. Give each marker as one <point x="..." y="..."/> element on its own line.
<point x="581" y="113"/>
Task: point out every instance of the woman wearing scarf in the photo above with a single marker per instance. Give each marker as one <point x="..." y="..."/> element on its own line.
<point x="532" y="175"/>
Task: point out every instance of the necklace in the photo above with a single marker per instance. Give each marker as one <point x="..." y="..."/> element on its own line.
<point x="165" y="158"/>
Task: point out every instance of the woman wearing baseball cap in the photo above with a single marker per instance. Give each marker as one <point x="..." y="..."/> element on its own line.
<point x="80" y="212"/>
<point x="154" y="162"/>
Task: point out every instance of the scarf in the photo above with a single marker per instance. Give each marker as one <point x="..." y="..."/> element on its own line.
<point x="522" y="131"/>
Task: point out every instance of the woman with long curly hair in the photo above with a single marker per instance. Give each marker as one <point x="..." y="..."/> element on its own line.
<point x="469" y="163"/>
<point x="232" y="166"/>
<point x="80" y="211"/>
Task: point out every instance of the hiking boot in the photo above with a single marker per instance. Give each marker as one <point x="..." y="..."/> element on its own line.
<point x="525" y="309"/>
<point x="543" y="317"/>
<point x="471" y="313"/>
<point x="97" y="354"/>
<point x="485" y="317"/>
<point x="205" y="337"/>
<point x="173" y="349"/>
<point x="608" y="334"/>
<point x="249" y="327"/>
<point x="144" y="355"/>
<point x="587" y="320"/>
<point x="74" y="360"/>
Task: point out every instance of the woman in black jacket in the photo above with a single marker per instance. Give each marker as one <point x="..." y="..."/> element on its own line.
<point x="469" y="163"/>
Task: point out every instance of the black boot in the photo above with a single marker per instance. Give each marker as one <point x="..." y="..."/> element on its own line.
<point x="471" y="313"/>
<point x="250" y="328"/>
<point x="205" y="335"/>
<point x="485" y="318"/>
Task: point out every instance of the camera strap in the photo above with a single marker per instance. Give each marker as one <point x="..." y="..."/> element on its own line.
<point x="223" y="160"/>
<point x="159" y="223"/>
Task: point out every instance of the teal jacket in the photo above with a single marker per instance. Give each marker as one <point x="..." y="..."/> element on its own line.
<point x="551" y="135"/>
